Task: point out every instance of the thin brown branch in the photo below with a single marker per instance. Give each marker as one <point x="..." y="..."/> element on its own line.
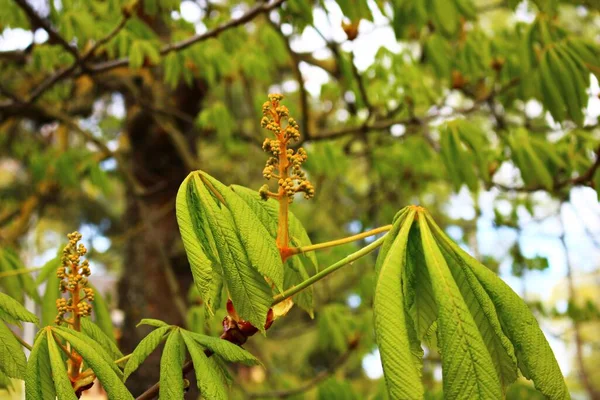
<point x="259" y="8"/>
<point x="38" y="22"/>
<point x="320" y="377"/>
<point x="579" y="352"/>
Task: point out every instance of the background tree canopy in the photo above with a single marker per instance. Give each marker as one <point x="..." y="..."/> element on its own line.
<point x="483" y="111"/>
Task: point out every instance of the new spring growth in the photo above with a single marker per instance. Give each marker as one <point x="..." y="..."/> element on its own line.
<point x="285" y="164"/>
<point x="73" y="274"/>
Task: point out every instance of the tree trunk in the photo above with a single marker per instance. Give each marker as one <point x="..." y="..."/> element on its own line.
<point x="143" y="288"/>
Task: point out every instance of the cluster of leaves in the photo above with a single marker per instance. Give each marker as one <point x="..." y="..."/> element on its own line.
<point x="228" y="234"/>
<point x="485" y="333"/>
<point x="211" y="374"/>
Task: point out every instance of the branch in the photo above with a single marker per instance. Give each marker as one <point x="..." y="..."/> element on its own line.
<point x="384" y="124"/>
<point x="323" y="273"/>
<point x="38" y="21"/>
<point x="320" y="377"/>
<point x="260" y="8"/>
<point x="349" y="239"/>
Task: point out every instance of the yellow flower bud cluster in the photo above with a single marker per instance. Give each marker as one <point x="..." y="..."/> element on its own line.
<point x="73" y="274"/>
<point x="285" y="164"/>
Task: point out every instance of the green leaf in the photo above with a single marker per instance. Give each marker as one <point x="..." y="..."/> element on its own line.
<point x="420" y="301"/>
<point x="227" y="350"/>
<point x="248" y="289"/>
<point x="171" y="362"/>
<point x="62" y="384"/>
<point x="12" y="358"/>
<point x="6" y="383"/>
<point x="11" y="284"/>
<point x="260" y="249"/>
<point x="467" y="368"/>
<point x="48" y="270"/>
<point x="392" y="330"/>
<point x="107" y="372"/>
<point x="144" y="348"/>
<point x="484" y="314"/>
<point x="49" y="311"/>
<point x="198" y="242"/>
<point x="333" y="389"/>
<point x="94" y="332"/>
<point x="25" y="281"/>
<point x="209" y="378"/>
<point x="535" y="357"/>
<point x="13" y="308"/>
<point x="39" y="384"/>
<point x="151" y="322"/>
<point x="551" y="96"/>
<point x="299" y="267"/>
<point x="566" y="82"/>
<point x="102" y="313"/>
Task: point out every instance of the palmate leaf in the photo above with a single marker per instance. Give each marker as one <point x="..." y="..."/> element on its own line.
<point x="217" y="224"/>
<point x="484" y="330"/>
<point x="535" y="358"/>
<point x="26" y="281"/>
<point x="107" y="372"/>
<point x="391" y="328"/>
<point x="208" y="377"/>
<point x="299" y="267"/>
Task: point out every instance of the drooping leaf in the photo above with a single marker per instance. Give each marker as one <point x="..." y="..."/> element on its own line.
<point x="392" y="331"/>
<point x="171" y="362"/>
<point x="100" y="362"/>
<point x="420" y="301"/>
<point x="52" y="293"/>
<point x="102" y="313"/>
<point x="151" y="322"/>
<point x="484" y="314"/>
<point x="144" y="348"/>
<point x="198" y="242"/>
<point x="467" y="368"/>
<point x="260" y="249"/>
<point x="39" y="384"/>
<point x="249" y="291"/>
<point x="209" y="378"/>
<point x="227" y="350"/>
<point x="12" y="358"/>
<point x="14" y="309"/>
<point x="534" y="355"/>
<point x="94" y="332"/>
<point x="62" y="384"/>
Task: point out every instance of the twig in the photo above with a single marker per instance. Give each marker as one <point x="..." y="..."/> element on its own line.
<point x="323" y="273"/>
<point x="38" y="21"/>
<point x="259" y="8"/>
<point x="579" y="351"/>
<point x="320" y="377"/>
